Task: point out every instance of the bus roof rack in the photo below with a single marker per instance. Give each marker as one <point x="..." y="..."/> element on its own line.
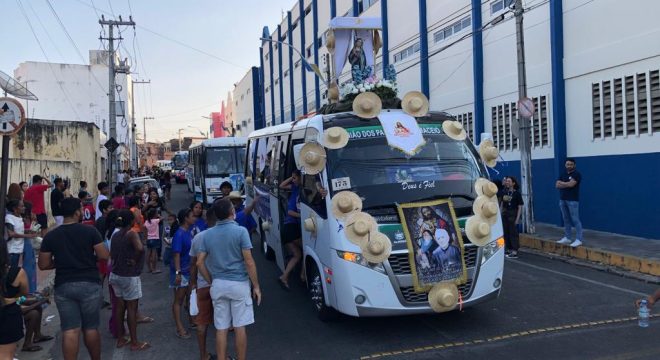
<point x="347" y="106"/>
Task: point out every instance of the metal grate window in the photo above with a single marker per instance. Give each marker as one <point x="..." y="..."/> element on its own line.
<point x="468" y="123"/>
<point x="655" y="100"/>
<point x="506" y="137"/>
<point x="607" y="108"/>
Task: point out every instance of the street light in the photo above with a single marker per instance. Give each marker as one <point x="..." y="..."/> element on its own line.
<point x="206" y="135"/>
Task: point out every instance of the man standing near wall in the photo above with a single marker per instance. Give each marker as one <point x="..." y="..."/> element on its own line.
<point x="35" y="195"/>
<point x="569" y="203"/>
<point x="56" y="197"/>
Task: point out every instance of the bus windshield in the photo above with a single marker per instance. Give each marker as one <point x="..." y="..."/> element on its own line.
<point x="180" y="161"/>
<point x="383" y="176"/>
<point x="223" y="161"/>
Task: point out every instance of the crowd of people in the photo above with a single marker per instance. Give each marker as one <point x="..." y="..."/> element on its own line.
<point x="111" y="240"/>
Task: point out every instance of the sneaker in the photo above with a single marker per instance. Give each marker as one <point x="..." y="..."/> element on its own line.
<point x="564" y="241"/>
<point x="576" y="243"/>
<point x="512" y="255"/>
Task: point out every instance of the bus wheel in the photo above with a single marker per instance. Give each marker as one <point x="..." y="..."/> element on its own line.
<point x="316" y="294"/>
<point x="269" y="254"/>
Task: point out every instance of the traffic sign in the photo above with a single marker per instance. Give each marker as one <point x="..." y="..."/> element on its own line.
<point x="12" y="116"/>
<point x="526" y="108"/>
<point x="111" y="145"/>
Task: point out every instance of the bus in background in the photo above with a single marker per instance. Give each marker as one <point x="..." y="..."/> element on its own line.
<point x="180" y="167"/>
<point x="164" y="165"/>
<point x="339" y="278"/>
<point x="215" y="161"/>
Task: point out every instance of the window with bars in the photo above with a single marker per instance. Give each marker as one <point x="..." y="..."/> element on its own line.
<point x="468" y="124"/>
<point x="626" y="106"/>
<point x="503" y="117"/>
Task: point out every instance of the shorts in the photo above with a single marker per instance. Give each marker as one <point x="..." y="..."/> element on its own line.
<point x="205" y="306"/>
<point x="153" y="243"/>
<point x="126" y="287"/>
<point x="42" y="219"/>
<point x="232" y="304"/>
<point x="185" y="280"/>
<point x="79" y="305"/>
<point x="291" y="232"/>
<point x="11" y="319"/>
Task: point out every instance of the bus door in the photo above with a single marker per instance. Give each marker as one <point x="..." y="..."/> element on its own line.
<point x="269" y="183"/>
<point x="283" y="169"/>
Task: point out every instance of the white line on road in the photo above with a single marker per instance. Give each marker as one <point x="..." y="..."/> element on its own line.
<point x="578" y="278"/>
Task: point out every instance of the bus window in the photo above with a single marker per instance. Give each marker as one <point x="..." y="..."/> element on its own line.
<point x="264" y="160"/>
<point x="240" y="158"/>
<point x="250" y="160"/>
<point x="220" y="161"/>
<point x="311" y="194"/>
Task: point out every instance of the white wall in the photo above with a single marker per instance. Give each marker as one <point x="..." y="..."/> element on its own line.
<point x="243" y="95"/>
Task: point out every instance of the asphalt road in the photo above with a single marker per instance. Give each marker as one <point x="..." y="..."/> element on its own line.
<point x="547" y="310"/>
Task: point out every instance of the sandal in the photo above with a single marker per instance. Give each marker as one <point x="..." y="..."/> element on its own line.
<point x="43" y="338"/>
<point x="145" y="320"/>
<point x="32" y="348"/>
<point x="185" y="335"/>
<point x="141" y="346"/>
<point x="283" y="284"/>
<point x="123" y="342"/>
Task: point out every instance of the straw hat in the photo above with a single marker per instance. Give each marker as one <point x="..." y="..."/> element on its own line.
<point x="367" y="105"/>
<point x="415" y="104"/>
<point x="234" y="195"/>
<point x="454" y="130"/>
<point x="335" y="137"/>
<point x="477" y="230"/>
<point x="344" y="203"/>
<point x="333" y="91"/>
<point x="485" y="187"/>
<point x="312" y="158"/>
<point x="358" y="227"/>
<point x="488" y="152"/>
<point x="248" y="180"/>
<point x="378" y="248"/>
<point x="443" y="297"/>
<point x="310" y="225"/>
<point x="485" y="207"/>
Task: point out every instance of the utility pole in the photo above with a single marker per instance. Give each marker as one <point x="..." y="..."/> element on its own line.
<point x="524" y="127"/>
<point x="135" y="147"/>
<point x="111" y="87"/>
<point x="180" y="130"/>
<point x="144" y="127"/>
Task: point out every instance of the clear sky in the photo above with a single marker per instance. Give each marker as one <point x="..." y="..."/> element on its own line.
<point x="186" y="84"/>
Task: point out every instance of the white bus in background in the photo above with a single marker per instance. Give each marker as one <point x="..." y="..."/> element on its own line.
<point x="165" y="165"/>
<point x="215" y="161"/>
<point x="338" y="277"/>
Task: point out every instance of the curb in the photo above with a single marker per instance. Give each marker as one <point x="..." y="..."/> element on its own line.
<point x="603" y="257"/>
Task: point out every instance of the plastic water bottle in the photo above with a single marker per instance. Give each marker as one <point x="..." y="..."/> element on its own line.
<point x="643" y="314"/>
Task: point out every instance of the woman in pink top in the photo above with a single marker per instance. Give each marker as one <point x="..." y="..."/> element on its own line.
<point x="153" y="239"/>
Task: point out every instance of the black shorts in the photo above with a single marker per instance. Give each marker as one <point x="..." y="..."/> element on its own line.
<point x="11" y="319"/>
<point x="42" y="219"/>
<point x="291" y="232"/>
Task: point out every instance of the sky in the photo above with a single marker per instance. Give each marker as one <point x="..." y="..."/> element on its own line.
<point x="185" y="84"/>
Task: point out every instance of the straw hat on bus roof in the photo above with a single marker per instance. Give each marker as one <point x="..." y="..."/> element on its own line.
<point x="454" y="130"/>
<point x="485" y="187"/>
<point x="367" y="105"/>
<point x="377" y="248"/>
<point x="477" y="230"/>
<point x="488" y="152"/>
<point x="485" y="207"/>
<point x="312" y="158"/>
<point x="443" y="297"/>
<point x="235" y="195"/>
<point x="358" y="227"/>
<point x="335" y="137"/>
<point x="344" y="203"/>
<point x="415" y="104"/>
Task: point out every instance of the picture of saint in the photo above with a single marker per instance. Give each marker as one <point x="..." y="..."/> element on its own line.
<point x="445" y="255"/>
<point x="401" y="130"/>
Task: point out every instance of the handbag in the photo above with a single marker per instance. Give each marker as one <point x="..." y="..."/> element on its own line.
<point x="193" y="303"/>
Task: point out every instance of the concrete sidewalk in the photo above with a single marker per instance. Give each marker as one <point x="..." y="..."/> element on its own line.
<point x="623" y="252"/>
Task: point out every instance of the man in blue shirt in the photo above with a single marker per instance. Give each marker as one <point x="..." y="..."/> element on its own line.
<point x="244" y="213"/>
<point x="225" y="260"/>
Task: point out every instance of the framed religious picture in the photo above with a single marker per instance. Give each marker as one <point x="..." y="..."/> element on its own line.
<point x="435" y="245"/>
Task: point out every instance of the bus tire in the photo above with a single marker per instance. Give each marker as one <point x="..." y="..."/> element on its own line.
<point x="269" y="254"/>
<point x="315" y="287"/>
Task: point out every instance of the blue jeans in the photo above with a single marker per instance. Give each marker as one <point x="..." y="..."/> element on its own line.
<point x="79" y="305"/>
<point x="14" y="260"/>
<point x="570" y="212"/>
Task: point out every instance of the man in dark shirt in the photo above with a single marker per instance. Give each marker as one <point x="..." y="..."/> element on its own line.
<point x="56" y="196"/>
<point x="569" y="201"/>
<point x="106" y="206"/>
<point x="72" y="250"/>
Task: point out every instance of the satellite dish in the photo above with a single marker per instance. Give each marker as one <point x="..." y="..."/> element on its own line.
<point x="11" y="86"/>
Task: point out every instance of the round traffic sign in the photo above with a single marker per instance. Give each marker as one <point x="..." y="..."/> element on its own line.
<point x="12" y="116"/>
<point x="526" y="108"/>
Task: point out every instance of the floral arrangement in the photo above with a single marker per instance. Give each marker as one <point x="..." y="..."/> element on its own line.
<point x="364" y="80"/>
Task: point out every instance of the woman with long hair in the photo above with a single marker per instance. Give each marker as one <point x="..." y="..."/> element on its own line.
<point x="198" y="212"/>
<point x="14" y="192"/>
<point x="180" y="267"/>
<point x="13" y="288"/>
<point x="511" y="208"/>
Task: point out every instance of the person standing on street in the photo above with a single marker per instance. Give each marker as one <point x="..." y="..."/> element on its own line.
<point x="35" y="195"/>
<point x="56" y="196"/>
<point x="569" y="203"/>
<point x="72" y="249"/>
<point x="511" y="208"/>
<point x="180" y="267"/>
<point x="15" y="228"/>
<point x="225" y="260"/>
<point x="104" y="191"/>
<point x="14" y="285"/>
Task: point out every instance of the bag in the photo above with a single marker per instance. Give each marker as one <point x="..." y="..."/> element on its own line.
<point x="167" y="255"/>
<point x="193" y="303"/>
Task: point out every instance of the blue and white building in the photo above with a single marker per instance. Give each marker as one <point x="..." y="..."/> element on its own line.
<point x="593" y="71"/>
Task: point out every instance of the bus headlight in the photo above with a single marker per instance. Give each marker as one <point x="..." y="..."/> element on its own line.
<point x="491" y="249"/>
<point x="360" y="260"/>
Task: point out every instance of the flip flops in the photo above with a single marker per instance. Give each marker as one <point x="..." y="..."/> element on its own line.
<point x="141" y="346"/>
<point x="146" y="320"/>
<point x="32" y="348"/>
<point x="185" y="335"/>
<point x="43" y="338"/>
<point x="123" y="342"/>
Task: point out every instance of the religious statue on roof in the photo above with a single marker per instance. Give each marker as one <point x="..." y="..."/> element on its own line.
<point x="357" y="57"/>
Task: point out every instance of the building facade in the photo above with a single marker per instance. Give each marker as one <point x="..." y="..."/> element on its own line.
<point x="592" y="72"/>
<point x="246" y="108"/>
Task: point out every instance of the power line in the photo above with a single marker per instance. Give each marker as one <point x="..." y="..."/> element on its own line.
<point x="36" y="15"/>
<point x="187" y="111"/>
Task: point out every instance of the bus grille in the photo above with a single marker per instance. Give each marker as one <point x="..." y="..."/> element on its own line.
<point x="401" y="266"/>
<point x="411" y="296"/>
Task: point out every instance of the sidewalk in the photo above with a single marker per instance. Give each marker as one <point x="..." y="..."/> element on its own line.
<point x="614" y="250"/>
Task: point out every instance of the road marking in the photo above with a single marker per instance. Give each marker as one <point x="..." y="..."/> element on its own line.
<point x="578" y="278"/>
<point x="503" y="337"/>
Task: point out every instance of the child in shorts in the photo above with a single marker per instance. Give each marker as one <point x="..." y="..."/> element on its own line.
<point x="152" y="223"/>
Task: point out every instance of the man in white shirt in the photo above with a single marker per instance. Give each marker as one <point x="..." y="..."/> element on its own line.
<point x="104" y="191"/>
